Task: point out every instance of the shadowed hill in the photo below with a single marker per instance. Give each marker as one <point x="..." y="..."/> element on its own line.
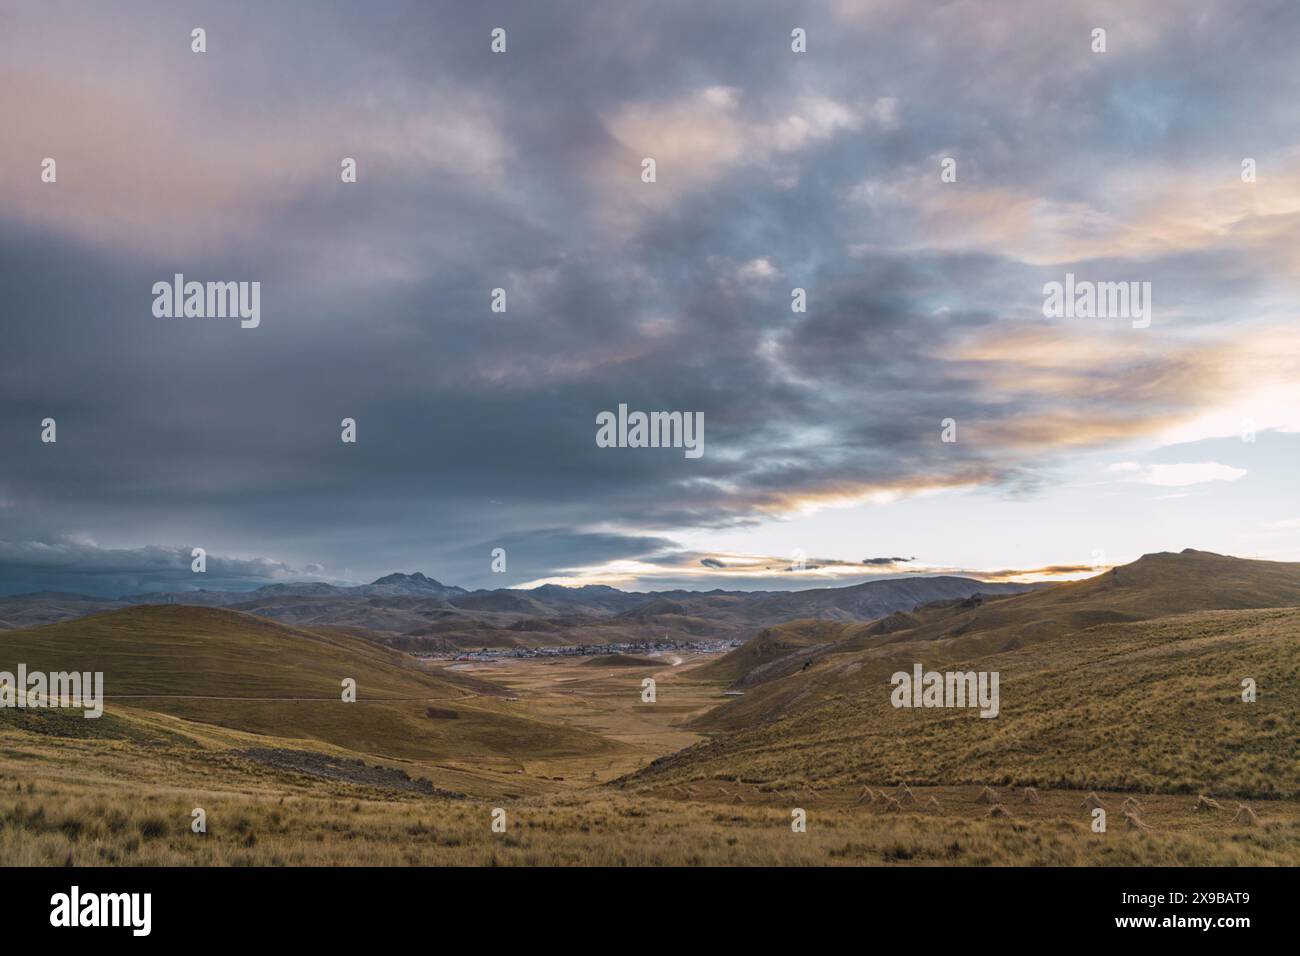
<point x="876" y="599"/>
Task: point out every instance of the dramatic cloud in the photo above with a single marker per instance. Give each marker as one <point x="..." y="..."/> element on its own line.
<point x="83" y="567"/>
<point x="522" y="172"/>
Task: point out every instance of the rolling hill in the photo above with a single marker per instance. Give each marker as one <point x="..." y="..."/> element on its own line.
<point x="772" y="652"/>
<point x="227" y="668"/>
<point x="1129" y="680"/>
<point x="1153" y="586"/>
<point x="218" y="708"/>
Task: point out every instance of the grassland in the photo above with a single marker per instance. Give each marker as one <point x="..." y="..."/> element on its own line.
<point x="1147" y="707"/>
<point x="241" y="717"/>
<point x="107" y="812"/>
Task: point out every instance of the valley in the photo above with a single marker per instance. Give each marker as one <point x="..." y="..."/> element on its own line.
<point x="1122" y="692"/>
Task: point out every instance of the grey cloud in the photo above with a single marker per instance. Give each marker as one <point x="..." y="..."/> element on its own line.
<point x="477" y="171"/>
<point x="83" y="567"/>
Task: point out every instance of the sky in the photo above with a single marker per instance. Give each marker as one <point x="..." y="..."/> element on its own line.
<point x="1081" y="442"/>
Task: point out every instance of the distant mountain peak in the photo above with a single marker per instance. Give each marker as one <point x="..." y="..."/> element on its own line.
<point x="415" y="584"/>
<point x="398" y="577"/>
<point x="578" y="588"/>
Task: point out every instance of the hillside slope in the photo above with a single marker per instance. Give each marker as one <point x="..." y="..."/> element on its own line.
<point x="1153" y="705"/>
<point x="231" y="669"/>
<point x="772" y="651"/>
<point x="1152" y="586"/>
<point x="831" y="681"/>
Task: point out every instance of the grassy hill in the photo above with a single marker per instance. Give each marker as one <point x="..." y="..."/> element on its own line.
<point x="1141" y="706"/>
<point x="758" y="657"/>
<point x="1152" y="586"/>
<point x="230" y="669"/>
<point x="1105" y="682"/>
<point x="1149" y="703"/>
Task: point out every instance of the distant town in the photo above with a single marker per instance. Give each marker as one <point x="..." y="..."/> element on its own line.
<point x="586" y="650"/>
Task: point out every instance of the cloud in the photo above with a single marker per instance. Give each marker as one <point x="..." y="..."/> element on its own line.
<point x="700" y="134"/>
<point x="757" y="270"/>
<point x="81" y="566"/>
<point x="1177" y="475"/>
<point x="776" y="170"/>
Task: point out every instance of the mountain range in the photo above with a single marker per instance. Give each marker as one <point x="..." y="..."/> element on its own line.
<point x="417" y="613"/>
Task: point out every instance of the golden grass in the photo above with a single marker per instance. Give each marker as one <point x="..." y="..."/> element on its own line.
<point x="93" y="820"/>
<point x="1150" y="706"/>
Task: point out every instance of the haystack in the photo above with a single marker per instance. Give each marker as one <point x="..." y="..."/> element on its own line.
<point x="1245" y="817"/>
<point x="932" y="802"/>
<point x="866" y="796"/>
<point x="1092" y="801"/>
<point x="891" y="805"/>
<point x="1031" y="796"/>
<point x="1133" y="823"/>
<point x="1131" y="805"/>
<point x="998" y="810"/>
<point x="1207" y="803"/>
<point x="904" y="794"/>
<point x="988" y="795"/>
